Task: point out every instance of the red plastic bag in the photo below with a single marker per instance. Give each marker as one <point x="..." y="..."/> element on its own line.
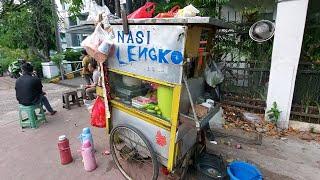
<point x="169" y="14"/>
<point x="145" y="11"/>
<point x="98" y="114"/>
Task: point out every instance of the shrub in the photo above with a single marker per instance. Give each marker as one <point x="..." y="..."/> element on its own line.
<point x="274" y="113"/>
<point x="58" y="58"/>
<point x="7" y="56"/>
<point x="36" y="62"/>
<point x="72" y="55"/>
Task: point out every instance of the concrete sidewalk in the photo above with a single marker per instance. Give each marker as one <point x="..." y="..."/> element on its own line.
<point x="73" y="83"/>
<point x="33" y="153"/>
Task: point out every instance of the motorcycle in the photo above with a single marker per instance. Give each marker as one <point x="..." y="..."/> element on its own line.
<point x="14" y="68"/>
<point x="1" y="71"/>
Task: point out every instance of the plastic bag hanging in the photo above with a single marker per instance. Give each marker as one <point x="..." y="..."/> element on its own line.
<point x="213" y="74"/>
<point x="95" y="10"/>
<point x="98" y="115"/>
<point x="99" y="44"/>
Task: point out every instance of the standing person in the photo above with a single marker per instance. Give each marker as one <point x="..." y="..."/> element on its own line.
<point x="29" y="89"/>
<point x="91" y="89"/>
<point x="85" y="71"/>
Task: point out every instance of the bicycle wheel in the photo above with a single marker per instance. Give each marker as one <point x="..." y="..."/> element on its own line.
<point x="133" y="154"/>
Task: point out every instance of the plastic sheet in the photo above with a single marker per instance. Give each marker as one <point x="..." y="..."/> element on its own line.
<point x="188" y="11"/>
<point x="170" y="14"/>
<point x="145" y="11"/>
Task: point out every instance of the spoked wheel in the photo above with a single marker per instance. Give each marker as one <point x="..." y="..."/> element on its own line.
<point x="133" y="154"/>
<point x="185" y="166"/>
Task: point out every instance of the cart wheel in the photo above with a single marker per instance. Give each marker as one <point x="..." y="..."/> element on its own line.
<point x="185" y="167"/>
<point x="133" y="154"/>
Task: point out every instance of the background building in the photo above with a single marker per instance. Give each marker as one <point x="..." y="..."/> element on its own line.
<point x="66" y="20"/>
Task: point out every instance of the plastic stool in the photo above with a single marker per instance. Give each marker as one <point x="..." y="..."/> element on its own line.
<point x="33" y="119"/>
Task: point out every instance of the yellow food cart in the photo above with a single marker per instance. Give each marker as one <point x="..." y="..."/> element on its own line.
<point x="154" y="124"/>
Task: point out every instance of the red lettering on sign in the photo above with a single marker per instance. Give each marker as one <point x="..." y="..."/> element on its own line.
<point x="160" y="139"/>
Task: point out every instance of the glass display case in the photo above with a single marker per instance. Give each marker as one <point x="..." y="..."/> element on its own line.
<point x="142" y="95"/>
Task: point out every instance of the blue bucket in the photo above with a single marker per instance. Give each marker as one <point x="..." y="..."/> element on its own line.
<point x="238" y="170"/>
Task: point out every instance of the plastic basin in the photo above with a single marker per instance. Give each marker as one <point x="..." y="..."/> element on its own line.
<point x="243" y="171"/>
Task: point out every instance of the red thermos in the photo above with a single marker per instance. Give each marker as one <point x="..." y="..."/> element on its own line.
<point x="64" y="148"/>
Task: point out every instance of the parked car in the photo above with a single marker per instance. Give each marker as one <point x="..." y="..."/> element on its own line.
<point x="74" y="48"/>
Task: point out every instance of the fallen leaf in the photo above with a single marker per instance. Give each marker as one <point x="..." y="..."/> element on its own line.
<point x="230" y="160"/>
<point x="307" y="137"/>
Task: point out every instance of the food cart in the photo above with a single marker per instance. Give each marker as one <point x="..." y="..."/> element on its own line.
<point x="156" y="80"/>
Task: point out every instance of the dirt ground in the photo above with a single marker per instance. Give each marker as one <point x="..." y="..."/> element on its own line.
<point x="283" y="159"/>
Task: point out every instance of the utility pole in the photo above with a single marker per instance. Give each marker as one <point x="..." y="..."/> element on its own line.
<point x="287" y="42"/>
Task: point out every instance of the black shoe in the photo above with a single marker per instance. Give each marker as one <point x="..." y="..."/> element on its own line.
<point x="53" y="113"/>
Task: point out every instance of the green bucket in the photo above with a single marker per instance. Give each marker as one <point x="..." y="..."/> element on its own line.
<point x="164" y="96"/>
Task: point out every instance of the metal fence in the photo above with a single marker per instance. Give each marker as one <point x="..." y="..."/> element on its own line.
<point x="306" y="98"/>
<point x="246" y="82"/>
<point x="246" y="87"/>
<point x="246" y="77"/>
<point x="76" y="67"/>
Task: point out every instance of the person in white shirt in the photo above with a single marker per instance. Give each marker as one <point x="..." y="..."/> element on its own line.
<point x="91" y="89"/>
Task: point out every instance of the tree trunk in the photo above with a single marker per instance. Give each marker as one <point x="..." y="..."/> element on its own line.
<point x="57" y="36"/>
<point x="36" y="52"/>
<point x="46" y="51"/>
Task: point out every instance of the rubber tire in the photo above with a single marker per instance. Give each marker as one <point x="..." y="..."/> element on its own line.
<point x="185" y="168"/>
<point x="144" y="139"/>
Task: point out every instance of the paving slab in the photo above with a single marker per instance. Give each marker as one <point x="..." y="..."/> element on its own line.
<point x="74" y="83"/>
<point x="32" y="154"/>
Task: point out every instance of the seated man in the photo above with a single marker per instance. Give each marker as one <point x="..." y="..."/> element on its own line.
<point x="29" y="89"/>
<point x="91" y="89"/>
<point x="87" y="75"/>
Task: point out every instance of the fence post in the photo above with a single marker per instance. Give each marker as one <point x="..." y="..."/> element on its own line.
<point x="290" y="22"/>
<point x="62" y="71"/>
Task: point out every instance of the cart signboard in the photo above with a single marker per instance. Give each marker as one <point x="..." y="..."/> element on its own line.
<point x="152" y="51"/>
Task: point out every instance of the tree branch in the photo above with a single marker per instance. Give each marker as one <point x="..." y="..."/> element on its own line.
<point x="10" y="6"/>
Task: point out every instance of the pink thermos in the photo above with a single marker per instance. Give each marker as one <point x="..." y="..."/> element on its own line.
<point x="89" y="160"/>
